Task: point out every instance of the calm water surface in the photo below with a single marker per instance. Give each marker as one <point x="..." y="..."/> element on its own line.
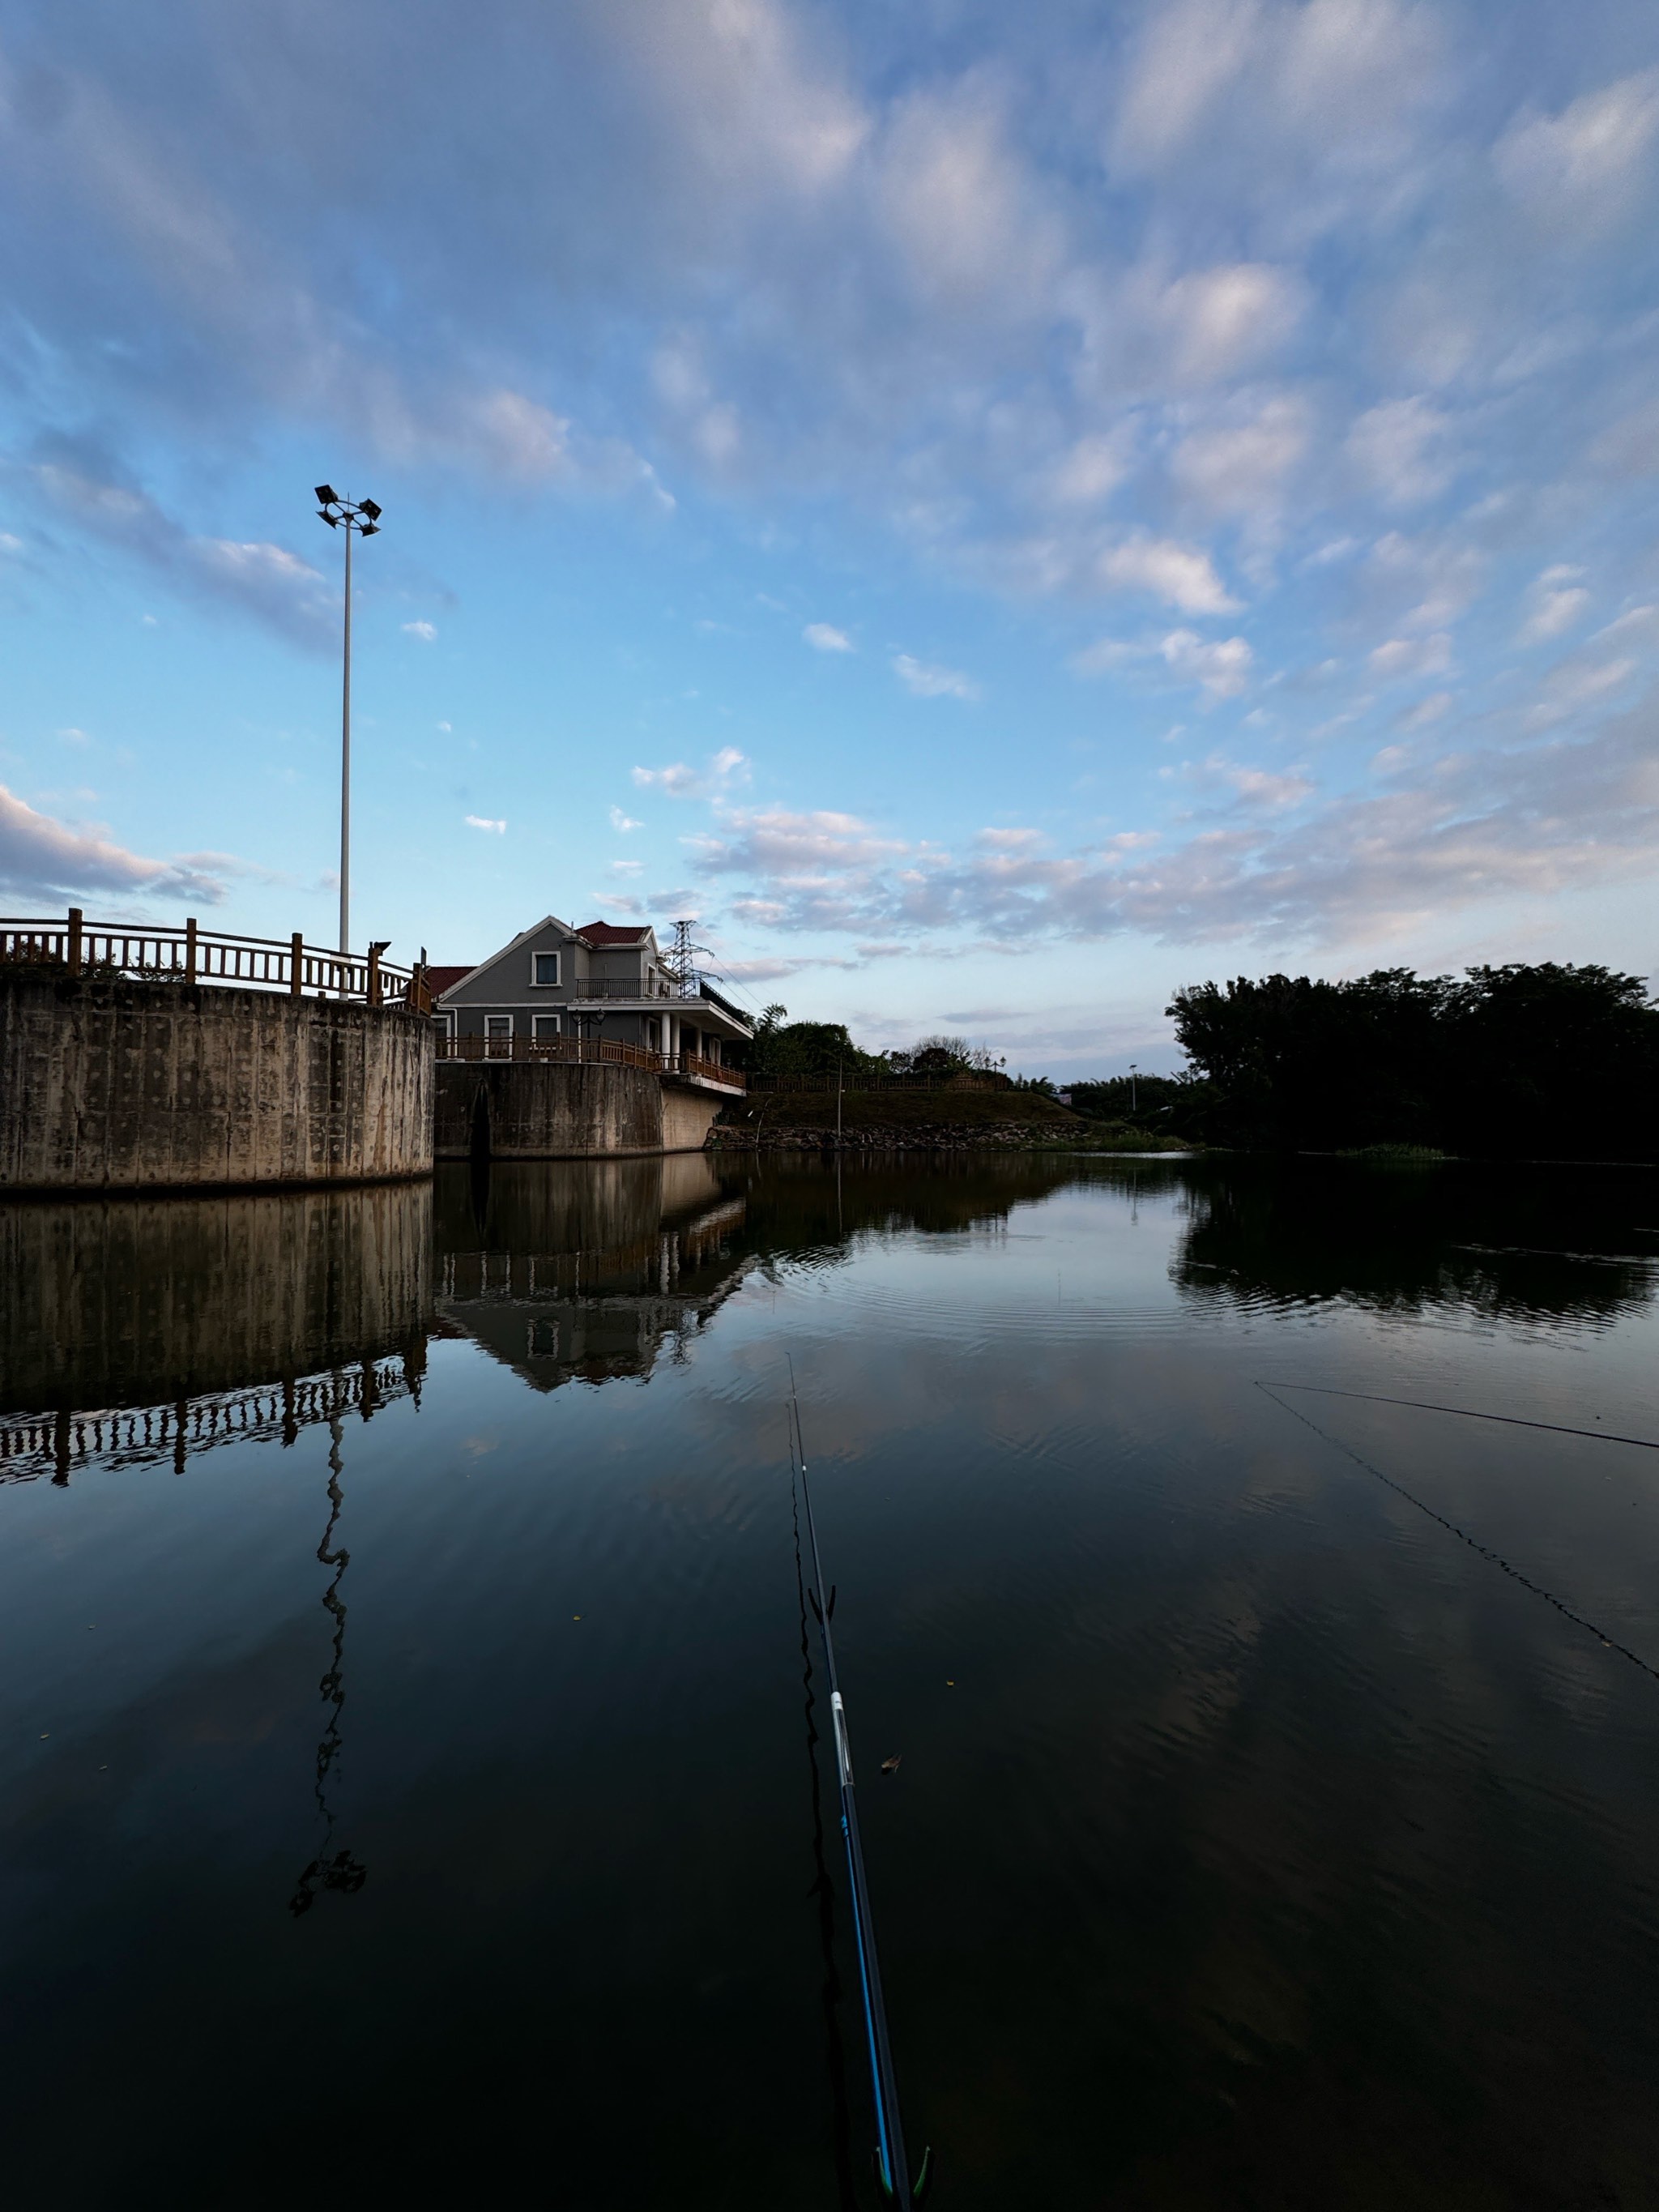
<point x="412" y="1785"/>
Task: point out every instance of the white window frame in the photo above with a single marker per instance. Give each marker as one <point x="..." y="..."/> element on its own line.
<point x="544" y="1027"/>
<point x="498" y="1030"/>
<point x="536" y="982"/>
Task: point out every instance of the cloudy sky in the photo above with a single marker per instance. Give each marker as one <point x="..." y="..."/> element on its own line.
<point x="996" y="511"/>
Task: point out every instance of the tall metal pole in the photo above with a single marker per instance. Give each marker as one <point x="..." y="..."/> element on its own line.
<point x="345" y="765"/>
<point x="362" y="516"/>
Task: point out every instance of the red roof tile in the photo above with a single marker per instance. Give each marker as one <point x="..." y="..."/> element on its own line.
<point x="611" y="933"/>
<point x="438" y="980"/>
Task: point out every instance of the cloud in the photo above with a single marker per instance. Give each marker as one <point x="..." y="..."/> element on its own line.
<point x="1182" y="575"/>
<point x="1411" y="656"/>
<point x="1584" y="166"/>
<point x="41" y="857"/>
<point x="266" y="581"/>
<point x="1555" y="603"/>
<point x="424" y="630"/>
<point x="679" y="780"/>
<point x="823" y="637"/>
<point x="927" y="682"/>
<point x="484" y="822"/>
<point x="1223" y="667"/>
<point x="1277" y="862"/>
<point x="623" y="822"/>
<point x="1240" y="468"/>
<point x="1400" y="449"/>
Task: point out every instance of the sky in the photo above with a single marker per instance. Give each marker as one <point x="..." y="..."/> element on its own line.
<point x="998" y="513"/>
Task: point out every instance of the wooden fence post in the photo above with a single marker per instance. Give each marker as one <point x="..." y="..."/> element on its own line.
<point x="296" y="971"/>
<point x="75" y="940"/>
<point x="373" y="990"/>
<point x="190" y="949"/>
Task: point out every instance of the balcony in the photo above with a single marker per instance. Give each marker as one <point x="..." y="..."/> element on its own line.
<point x="590" y="1052"/>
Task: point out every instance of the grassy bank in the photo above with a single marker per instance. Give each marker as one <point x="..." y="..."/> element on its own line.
<point x="936" y="1120"/>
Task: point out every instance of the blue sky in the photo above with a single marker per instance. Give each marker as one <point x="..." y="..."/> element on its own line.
<point x="996" y="513"/>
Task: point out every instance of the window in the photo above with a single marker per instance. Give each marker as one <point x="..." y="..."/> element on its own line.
<point x="498" y="1036"/>
<point x="543" y="1339"/>
<point x="545" y="970"/>
<point x="543" y="1027"/>
<point x="653" y="1033"/>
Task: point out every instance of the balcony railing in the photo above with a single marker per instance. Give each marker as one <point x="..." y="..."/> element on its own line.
<point x="606" y="986"/>
<point x="152" y="953"/>
<point x="582" y="1052"/>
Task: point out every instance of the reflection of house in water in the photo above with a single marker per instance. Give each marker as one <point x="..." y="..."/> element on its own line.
<point x="583" y="1271"/>
<point x="137" y="1330"/>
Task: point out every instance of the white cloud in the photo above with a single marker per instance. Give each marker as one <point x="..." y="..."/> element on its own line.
<point x="823" y="637"/>
<point x="41" y="857"/>
<point x="679" y="781"/>
<point x="927" y="681"/>
<point x="424" y="630"/>
<point x="484" y="822"/>
<point x="1583" y="166"/>
<point x="1433" y="708"/>
<point x="1401" y="450"/>
<point x="1222" y="322"/>
<point x="623" y="822"/>
<point x="1182" y="575"/>
<point x="1555" y="603"/>
<point x="1411" y="656"/>
<point x="1221" y="665"/>
<point x="1240" y="468"/>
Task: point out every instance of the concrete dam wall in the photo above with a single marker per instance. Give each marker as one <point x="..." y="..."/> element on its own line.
<point x="512" y="1110"/>
<point x="112" y="1085"/>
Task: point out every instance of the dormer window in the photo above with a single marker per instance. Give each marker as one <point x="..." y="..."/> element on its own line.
<point x="545" y="970"/>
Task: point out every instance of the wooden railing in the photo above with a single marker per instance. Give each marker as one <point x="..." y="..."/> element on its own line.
<point x="152" y="953"/>
<point x="581" y="1052"/>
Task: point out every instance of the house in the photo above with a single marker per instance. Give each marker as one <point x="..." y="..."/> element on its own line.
<point x="604" y="981"/>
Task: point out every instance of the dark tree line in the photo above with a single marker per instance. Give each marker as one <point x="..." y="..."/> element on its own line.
<point x="1547" y="1061"/>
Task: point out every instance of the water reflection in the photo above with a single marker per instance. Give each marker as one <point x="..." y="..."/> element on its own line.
<point x="331" y="1870"/>
<point x="581" y="1272"/>
<point x="1513" y="1243"/>
<point x="143" y="1329"/>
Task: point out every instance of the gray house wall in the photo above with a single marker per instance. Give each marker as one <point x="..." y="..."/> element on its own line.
<point x="502" y="989"/>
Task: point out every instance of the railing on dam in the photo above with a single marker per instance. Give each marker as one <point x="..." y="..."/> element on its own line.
<point x="583" y="1052"/>
<point x="148" y="953"/>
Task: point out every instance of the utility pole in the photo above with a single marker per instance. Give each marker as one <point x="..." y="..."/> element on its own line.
<point x="1132" y="1086"/>
<point x="838" y="1067"/>
<point x="363" y="517"/>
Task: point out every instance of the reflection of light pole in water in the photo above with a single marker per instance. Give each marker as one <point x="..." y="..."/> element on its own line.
<point x="341" y="1872"/>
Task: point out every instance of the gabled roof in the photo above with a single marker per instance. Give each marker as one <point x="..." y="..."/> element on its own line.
<point x="547" y="921"/>
<point x="601" y="933"/>
<point x="440" y="979"/>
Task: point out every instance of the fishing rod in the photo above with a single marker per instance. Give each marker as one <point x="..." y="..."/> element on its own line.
<point x="892" y="2169"/>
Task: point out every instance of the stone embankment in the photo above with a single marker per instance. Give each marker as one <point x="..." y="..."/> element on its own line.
<point x="943" y="1121"/>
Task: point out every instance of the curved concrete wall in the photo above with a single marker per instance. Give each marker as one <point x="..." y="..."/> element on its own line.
<point x="146" y="1087"/>
<point x="516" y="1110"/>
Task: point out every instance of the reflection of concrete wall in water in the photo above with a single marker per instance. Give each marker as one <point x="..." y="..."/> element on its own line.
<point x="554" y="1110"/>
<point x="136" y="1086"/>
<point x="585" y="1273"/>
<point x="143" y="1302"/>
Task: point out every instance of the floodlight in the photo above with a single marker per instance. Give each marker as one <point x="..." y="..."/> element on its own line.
<point x="327" y="494"/>
<point x="332" y="520"/>
<point x="368" y="529"/>
<point x="370" y="509"/>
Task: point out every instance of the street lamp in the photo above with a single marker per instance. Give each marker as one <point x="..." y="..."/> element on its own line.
<point x="364" y="517"/>
<point x="1133" y="1071"/>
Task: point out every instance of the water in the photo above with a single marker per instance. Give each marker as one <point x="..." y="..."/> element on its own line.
<point x="409" y="1789"/>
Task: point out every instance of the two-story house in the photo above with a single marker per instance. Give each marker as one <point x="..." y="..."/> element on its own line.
<point x="605" y="980"/>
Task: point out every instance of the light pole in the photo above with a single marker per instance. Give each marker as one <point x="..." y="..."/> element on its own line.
<point x="363" y="517"/>
<point x="1133" y="1071"/>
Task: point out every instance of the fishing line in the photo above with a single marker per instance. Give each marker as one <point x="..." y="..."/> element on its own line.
<point x="892" y="2169"/>
<point x="1466" y="1414"/>
<point x="1462" y="1535"/>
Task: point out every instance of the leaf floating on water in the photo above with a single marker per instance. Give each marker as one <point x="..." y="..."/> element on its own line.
<point x="891" y="1766"/>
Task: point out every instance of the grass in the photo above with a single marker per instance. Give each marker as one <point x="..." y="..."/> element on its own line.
<point x="1020" y="1120"/>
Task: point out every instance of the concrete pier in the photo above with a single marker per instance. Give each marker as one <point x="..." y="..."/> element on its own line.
<point x="517" y="1110"/>
<point x="120" y="1086"/>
